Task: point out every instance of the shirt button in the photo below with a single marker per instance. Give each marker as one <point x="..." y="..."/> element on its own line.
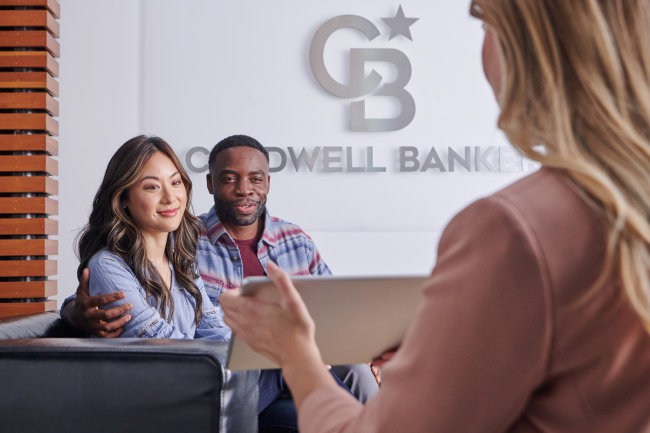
<point x="234" y="258"/>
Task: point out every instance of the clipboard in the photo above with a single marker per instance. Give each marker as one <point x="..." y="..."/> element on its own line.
<point x="357" y="318"/>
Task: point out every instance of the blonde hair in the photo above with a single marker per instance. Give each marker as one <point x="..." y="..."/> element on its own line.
<point x="577" y="80"/>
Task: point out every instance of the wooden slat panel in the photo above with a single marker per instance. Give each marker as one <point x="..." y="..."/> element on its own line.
<point x="27" y="289"/>
<point x="28" y="226"/>
<point x="30" y="39"/>
<point x="29" y="80"/>
<point x="20" y="121"/>
<point x="27" y="101"/>
<point x="29" y="59"/>
<point x="51" y="5"/>
<point x="27" y="268"/>
<point x="20" y="205"/>
<point x="29" y="18"/>
<point x="17" y="184"/>
<point x="42" y="163"/>
<point x="19" y="308"/>
<point x="28" y="247"/>
<point x="26" y="143"/>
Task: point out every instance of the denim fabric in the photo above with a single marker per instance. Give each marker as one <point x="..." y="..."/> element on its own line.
<point x="284" y="243"/>
<point x="271" y="385"/>
<point x="280" y="417"/>
<point x="276" y="410"/>
<point x="109" y="274"/>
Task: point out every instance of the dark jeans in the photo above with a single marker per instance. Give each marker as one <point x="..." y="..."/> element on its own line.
<point x="276" y="411"/>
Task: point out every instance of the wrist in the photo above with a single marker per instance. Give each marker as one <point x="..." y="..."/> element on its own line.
<point x="67" y="314"/>
<point x="304" y="373"/>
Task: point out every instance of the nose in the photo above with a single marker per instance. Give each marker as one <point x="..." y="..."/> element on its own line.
<point x="167" y="195"/>
<point x="243" y="188"/>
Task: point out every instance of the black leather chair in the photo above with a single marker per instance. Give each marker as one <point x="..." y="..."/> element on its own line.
<point x="50" y="382"/>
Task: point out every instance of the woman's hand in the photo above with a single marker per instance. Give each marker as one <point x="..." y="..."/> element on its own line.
<point x="283" y="332"/>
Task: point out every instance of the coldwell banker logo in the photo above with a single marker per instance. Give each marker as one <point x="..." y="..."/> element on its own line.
<point x="360" y="85"/>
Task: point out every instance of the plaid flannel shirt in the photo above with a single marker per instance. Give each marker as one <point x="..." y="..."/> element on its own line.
<point x="284" y="243"/>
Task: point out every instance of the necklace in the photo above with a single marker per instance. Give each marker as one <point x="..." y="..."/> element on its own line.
<point x="164" y="274"/>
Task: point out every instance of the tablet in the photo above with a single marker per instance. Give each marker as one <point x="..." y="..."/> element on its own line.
<point x="357" y="318"/>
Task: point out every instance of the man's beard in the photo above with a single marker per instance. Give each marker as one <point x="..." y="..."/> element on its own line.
<point x="226" y="211"/>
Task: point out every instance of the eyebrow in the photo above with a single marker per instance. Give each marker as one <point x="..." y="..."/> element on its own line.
<point x="156" y="177"/>
<point x="226" y="171"/>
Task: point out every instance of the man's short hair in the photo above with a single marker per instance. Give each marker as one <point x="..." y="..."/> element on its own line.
<point x="235" y="141"/>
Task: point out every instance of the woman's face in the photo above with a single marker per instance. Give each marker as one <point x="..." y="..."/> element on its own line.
<point x="492" y="61"/>
<point x="157" y="201"/>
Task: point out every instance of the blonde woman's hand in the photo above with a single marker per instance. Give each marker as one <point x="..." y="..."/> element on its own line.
<point x="283" y="332"/>
<point x="280" y="331"/>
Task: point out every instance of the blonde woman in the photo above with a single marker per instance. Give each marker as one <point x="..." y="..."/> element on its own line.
<point x="536" y="317"/>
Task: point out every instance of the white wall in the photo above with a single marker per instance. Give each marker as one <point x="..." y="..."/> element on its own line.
<point x="196" y="71"/>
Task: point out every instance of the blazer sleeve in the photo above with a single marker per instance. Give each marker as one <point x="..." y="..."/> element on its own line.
<point x="479" y="343"/>
<point x="109" y="274"/>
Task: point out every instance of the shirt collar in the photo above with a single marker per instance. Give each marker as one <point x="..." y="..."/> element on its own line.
<point x="216" y="230"/>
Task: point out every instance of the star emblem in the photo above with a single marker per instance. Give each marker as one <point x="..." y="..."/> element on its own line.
<point x="400" y="24"/>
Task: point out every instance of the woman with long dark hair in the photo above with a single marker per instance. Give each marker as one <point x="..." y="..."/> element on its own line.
<point x="141" y="239"/>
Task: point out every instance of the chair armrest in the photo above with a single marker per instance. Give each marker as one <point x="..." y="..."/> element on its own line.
<point x="72" y="385"/>
<point x="39" y="325"/>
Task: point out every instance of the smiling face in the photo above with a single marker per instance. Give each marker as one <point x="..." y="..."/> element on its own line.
<point x="239" y="180"/>
<point x="158" y="199"/>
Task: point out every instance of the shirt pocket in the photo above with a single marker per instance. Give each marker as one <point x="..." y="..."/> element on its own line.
<point x="213" y="289"/>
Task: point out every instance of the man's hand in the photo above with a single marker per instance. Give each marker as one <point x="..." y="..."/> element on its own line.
<point x="377" y="363"/>
<point x="376" y="371"/>
<point x="384" y="358"/>
<point x="84" y="313"/>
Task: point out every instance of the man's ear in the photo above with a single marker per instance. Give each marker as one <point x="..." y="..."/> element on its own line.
<point x="268" y="184"/>
<point x="208" y="178"/>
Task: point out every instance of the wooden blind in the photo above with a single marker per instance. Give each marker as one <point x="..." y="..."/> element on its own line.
<point x="29" y="47"/>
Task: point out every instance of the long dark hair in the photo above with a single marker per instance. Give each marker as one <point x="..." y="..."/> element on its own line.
<point x="111" y="226"/>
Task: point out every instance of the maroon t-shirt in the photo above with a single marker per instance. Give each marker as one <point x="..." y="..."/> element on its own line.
<point x="248" y="251"/>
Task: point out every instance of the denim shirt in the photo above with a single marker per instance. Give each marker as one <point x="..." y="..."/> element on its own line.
<point x="109" y="274"/>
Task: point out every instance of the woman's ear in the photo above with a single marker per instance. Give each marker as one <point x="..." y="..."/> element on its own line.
<point x="124" y="199"/>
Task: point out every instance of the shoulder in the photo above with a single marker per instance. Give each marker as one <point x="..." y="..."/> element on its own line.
<point x="563" y="220"/>
<point x="542" y="217"/>
<point x="544" y="202"/>
<point x="286" y="232"/>
<point x="203" y="218"/>
<point x="208" y="219"/>
<point x="105" y="260"/>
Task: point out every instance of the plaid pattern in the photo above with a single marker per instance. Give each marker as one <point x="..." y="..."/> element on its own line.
<point x="284" y="243"/>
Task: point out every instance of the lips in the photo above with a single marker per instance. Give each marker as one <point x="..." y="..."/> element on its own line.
<point x="169" y="212"/>
<point x="245" y="207"/>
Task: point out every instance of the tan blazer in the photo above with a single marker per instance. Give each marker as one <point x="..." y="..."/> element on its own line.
<point x="506" y="339"/>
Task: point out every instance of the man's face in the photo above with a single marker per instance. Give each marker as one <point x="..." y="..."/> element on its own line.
<point x="239" y="180"/>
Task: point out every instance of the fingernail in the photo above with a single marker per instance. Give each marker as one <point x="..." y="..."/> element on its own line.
<point x="271" y="265"/>
<point x="128" y="317"/>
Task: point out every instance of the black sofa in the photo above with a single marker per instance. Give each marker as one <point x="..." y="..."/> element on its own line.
<point x="54" y="380"/>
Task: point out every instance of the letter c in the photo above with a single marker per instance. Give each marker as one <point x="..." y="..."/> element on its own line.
<point x="317" y="60"/>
